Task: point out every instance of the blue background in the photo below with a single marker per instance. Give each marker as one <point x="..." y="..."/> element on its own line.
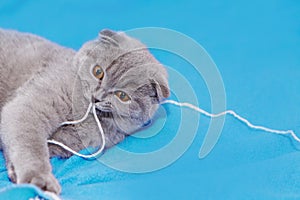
<point x="256" y="46"/>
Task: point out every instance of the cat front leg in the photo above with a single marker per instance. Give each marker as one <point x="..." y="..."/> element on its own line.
<point x="37" y="180"/>
<point x="26" y="124"/>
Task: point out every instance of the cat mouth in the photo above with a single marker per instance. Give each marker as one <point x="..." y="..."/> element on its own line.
<point x="103" y="109"/>
<point x="103" y="114"/>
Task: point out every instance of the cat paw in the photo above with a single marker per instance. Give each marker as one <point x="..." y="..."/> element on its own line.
<point x="12" y="175"/>
<point x="46" y="182"/>
<point x="11" y="172"/>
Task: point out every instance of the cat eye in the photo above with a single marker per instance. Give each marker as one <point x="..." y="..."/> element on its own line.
<point x="98" y="72"/>
<point x="122" y="96"/>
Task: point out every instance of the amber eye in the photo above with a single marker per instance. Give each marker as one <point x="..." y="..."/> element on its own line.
<point x="98" y="72"/>
<point x="122" y="96"/>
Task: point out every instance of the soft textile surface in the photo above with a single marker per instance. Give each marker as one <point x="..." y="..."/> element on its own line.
<point x="256" y="46"/>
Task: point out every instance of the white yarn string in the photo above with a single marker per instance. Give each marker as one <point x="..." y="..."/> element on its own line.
<point x="234" y="114"/>
<point x="93" y="155"/>
<point x="80" y="120"/>
<point x="187" y="105"/>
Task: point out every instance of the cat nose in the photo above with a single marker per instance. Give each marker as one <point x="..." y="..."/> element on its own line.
<point x="101" y="102"/>
<point x="104" y="106"/>
<point x="107" y="103"/>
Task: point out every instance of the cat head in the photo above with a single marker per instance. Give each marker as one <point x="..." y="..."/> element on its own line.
<point x="122" y="78"/>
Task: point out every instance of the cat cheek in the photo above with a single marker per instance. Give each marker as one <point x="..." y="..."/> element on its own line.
<point x="86" y="89"/>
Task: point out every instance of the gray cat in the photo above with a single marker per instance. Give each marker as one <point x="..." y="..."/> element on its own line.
<point x="43" y="84"/>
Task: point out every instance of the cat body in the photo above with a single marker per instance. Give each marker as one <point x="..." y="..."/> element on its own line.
<point x="43" y="85"/>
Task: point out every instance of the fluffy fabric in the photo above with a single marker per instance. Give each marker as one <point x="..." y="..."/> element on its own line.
<point x="256" y="47"/>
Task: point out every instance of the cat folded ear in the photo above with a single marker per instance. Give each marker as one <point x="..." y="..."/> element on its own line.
<point x="107" y="33"/>
<point x="119" y="39"/>
<point x="160" y="85"/>
<point x="109" y="36"/>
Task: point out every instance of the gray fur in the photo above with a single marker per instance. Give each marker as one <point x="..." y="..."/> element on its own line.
<point x="43" y="84"/>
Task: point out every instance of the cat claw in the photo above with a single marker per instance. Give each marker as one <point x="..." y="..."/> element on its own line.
<point x="12" y="175"/>
<point x="46" y="182"/>
<point x="11" y="172"/>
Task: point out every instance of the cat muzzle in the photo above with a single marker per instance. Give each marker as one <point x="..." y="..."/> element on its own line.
<point x="103" y="110"/>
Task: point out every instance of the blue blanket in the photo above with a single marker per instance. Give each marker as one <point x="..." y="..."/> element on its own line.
<point x="256" y="46"/>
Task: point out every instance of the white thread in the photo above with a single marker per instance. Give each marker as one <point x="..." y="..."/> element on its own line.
<point x="188" y="105"/>
<point x="234" y="114"/>
<point x="80" y="120"/>
<point x="93" y="155"/>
